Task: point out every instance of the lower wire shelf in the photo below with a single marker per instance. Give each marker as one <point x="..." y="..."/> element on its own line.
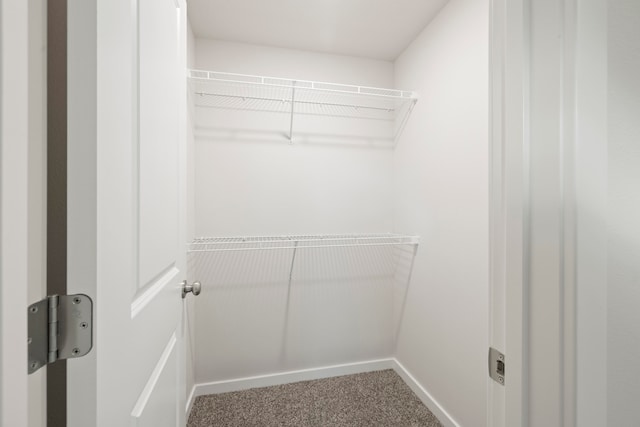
<point x="255" y="243"/>
<point x="296" y="299"/>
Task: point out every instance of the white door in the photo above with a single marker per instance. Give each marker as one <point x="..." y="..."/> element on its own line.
<point x="126" y="216"/>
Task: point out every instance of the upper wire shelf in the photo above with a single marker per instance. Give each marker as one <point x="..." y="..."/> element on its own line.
<point x="297" y="97"/>
<point x="251" y="243"/>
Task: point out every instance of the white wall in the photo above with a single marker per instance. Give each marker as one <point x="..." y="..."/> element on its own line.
<point x="623" y="299"/>
<point x="249" y="180"/>
<point x="289" y="63"/>
<point x="441" y="193"/>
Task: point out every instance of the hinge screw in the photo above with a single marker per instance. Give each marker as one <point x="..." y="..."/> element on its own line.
<point x="76" y="300"/>
<point x="84" y="325"/>
<point x="34" y="365"/>
<point x="33" y="309"/>
<point x="75" y="351"/>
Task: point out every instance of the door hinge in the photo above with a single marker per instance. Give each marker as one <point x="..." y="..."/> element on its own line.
<point x="496" y="366"/>
<point x="60" y="327"/>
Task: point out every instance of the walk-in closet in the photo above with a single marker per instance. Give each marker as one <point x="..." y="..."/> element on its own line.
<point x="337" y="206"/>
<point x="310" y="213"/>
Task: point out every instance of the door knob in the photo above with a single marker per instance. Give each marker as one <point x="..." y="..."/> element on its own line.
<point x="195" y="288"/>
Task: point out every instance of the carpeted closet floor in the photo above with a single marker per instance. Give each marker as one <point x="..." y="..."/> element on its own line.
<point x="371" y="399"/>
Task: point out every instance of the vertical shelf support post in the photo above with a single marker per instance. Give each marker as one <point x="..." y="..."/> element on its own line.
<point x="285" y="332"/>
<point x="293" y="100"/>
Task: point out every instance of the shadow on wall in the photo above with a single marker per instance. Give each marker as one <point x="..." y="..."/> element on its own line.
<point x="377" y="128"/>
<point x="270" y="136"/>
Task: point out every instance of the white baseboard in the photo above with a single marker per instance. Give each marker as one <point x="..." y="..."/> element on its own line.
<point x="424" y="395"/>
<point x="325" y="372"/>
<point x="292" y="377"/>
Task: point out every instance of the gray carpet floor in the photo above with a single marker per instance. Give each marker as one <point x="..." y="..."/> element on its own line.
<point x="370" y="399"/>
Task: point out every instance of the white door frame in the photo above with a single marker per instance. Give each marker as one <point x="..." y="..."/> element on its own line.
<point x="590" y="179"/>
<point x="548" y="177"/>
<point x="508" y="199"/>
<point x="13" y="211"/>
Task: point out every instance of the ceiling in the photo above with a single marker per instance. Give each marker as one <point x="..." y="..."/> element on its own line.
<point x="379" y="29"/>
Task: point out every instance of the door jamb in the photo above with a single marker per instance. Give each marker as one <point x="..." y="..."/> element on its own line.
<point x="13" y="210"/>
<point x="509" y="203"/>
<point x="578" y="70"/>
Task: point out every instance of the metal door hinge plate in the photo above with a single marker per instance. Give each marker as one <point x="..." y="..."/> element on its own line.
<point x="60" y="327"/>
<point x="496" y="366"/>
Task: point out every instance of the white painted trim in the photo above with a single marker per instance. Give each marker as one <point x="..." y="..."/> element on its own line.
<point x="443" y="416"/>
<point x="82" y="206"/>
<point x="149" y="294"/>
<point x="190" y="400"/>
<point x="542" y="245"/>
<point x="149" y="388"/>
<point x="509" y="204"/>
<point x="14" y="133"/>
<point x="292" y="376"/>
<point x="497" y="231"/>
<point x="591" y="198"/>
